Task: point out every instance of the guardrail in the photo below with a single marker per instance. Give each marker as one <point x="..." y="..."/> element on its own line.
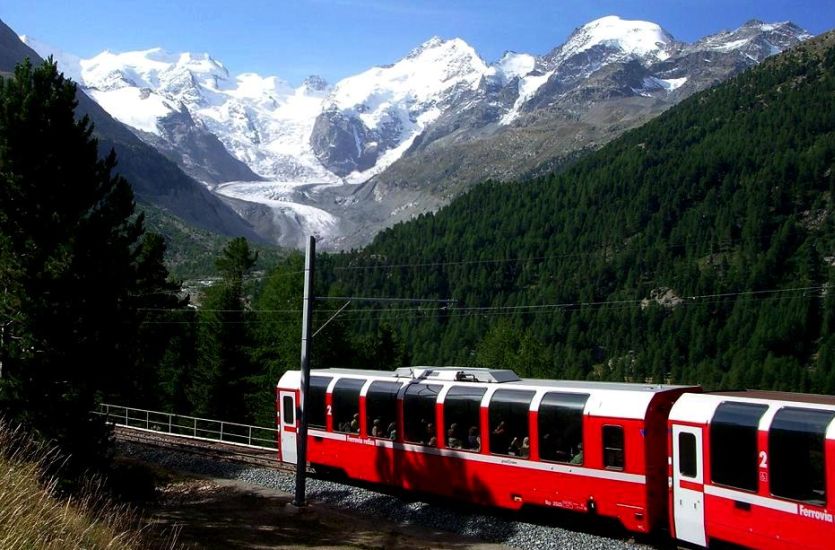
<point x="190" y="427"/>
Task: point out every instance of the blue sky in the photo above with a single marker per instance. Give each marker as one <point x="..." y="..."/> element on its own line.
<point x="337" y="38"/>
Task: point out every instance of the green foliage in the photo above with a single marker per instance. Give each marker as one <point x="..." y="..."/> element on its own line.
<point x="235" y="261"/>
<point x="277" y="334"/>
<point x="67" y="222"/>
<point x="159" y="331"/>
<point x="507" y="347"/>
<point x="74" y="271"/>
<point x="191" y="252"/>
<point x="220" y="381"/>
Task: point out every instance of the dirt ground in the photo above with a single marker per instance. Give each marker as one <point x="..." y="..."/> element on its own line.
<point x="215" y="514"/>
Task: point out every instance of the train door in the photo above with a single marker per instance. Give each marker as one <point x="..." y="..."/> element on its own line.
<point x="287" y="426"/>
<point x="688" y="485"/>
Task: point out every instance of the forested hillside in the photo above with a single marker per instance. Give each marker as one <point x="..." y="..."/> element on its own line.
<point x="697" y="248"/>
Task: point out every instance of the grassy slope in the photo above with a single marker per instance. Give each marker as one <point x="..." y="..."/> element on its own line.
<point x="32" y="516"/>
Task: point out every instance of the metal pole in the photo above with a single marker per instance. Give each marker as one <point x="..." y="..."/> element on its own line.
<point x="301" y="432"/>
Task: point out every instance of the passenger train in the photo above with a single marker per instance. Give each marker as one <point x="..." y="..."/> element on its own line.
<point x="751" y="468"/>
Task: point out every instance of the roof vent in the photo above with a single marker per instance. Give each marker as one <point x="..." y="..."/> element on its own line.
<point x="457" y="374"/>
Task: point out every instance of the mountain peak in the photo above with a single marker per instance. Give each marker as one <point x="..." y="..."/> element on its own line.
<point x="755" y="39"/>
<point x="632" y="37"/>
<point x="436" y="43"/>
<point x="433" y="42"/>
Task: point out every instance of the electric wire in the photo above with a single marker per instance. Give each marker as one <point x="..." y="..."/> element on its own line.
<point x="461" y="311"/>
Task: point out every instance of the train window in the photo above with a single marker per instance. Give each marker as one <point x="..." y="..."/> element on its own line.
<point x="419" y="414"/>
<point x="613" y="455"/>
<point x="687" y="455"/>
<point x="462" y="417"/>
<point x="733" y="444"/>
<point x="381" y="409"/>
<point x="314" y="407"/>
<point x="289" y="412"/>
<point x="796" y="454"/>
<point x="561" y="426"/>
<point x="345" y="401"/>
<point x="508" y="414"/>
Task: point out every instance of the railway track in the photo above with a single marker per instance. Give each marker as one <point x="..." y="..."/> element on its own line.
<point x="215" y="450"/>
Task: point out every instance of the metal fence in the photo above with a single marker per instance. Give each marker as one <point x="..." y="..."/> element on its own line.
<point x="190" y="427"/>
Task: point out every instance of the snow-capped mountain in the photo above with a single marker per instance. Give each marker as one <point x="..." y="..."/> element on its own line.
<point x="163" y="95"/>
<point x="610" y="75"/>
<point x="370" y="120"/>
<point x="612" y="40"/>
<point x="155" y="180"/>
<point x="755" y="40"/>
<point x="413" y="133"/>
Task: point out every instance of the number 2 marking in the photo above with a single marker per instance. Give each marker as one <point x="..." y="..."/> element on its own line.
<point x="329" y="410"/>
<point x="763" y="459"/>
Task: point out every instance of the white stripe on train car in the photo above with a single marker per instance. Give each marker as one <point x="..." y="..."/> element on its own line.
<point x="830" y="431"/>
<point x="766" y="418"/>
<point x="696" y="408"/>
<point x="618" y="403"/>
<point x="290" y="380"/>
<point x="757" y="500"/>
<point x="487" y="459"/>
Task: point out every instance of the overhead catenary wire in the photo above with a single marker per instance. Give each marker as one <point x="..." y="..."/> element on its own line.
<point x="611" y="305"/>
<point x="461" y="311"/>
<point x="217" y="280"/>
<point x="417" y="313"/>
<point x="523" y="259"/>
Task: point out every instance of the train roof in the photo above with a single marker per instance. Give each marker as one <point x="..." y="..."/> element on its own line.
<point x="700" y="407"/>
<point x="790" y="397"/>
<point x="612" y="399"/>
<point x="497" y="376"/>
<point x="610" y="386"/>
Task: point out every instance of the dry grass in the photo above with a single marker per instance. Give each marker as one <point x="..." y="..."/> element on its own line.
<point x="32" y="515"/>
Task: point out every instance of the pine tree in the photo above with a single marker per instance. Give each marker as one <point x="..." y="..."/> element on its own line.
<point x="161" y="325"/>
<point x="68" y="239"/>
<point x="224" y="370"/>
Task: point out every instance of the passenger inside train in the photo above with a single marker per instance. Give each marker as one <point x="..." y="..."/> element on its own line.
<point x="578" y="456"/>
<point x="525" y="448"/>
<point x="453" y="441"/>
<point x="377" y="428"/>
<point x="431" y="439"/>
<point x="474" y="439"/>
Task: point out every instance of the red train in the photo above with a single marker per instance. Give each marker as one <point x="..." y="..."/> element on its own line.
<point x="750" y="468"/>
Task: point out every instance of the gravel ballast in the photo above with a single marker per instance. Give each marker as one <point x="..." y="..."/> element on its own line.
<point x="500" y="527"/>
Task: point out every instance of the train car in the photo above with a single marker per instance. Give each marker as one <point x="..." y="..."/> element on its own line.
<point x="489" y="437"/>
<point x="753" y="468"/>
